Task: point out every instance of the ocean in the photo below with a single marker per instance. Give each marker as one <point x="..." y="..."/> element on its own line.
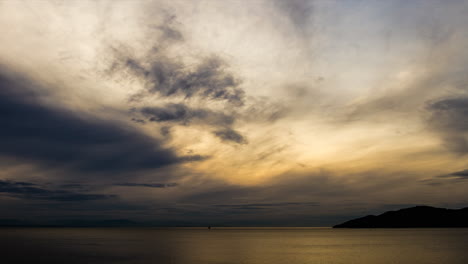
<point x="233" y="245"/>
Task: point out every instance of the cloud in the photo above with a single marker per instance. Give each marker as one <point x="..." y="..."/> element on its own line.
<point x="182" y="114"/>
<point x="261" y="206"/>
<point x="169" y="77"/>
<point x="150" y="185"/>
<point x="299" y="12"/>
<point x="230" y="135"/>
<point x="177" y="113"/>
<point x="449" y="179"/>
<point x="166" y="77"/>
<point x="53" y="136"/>
<point x="168" y="29"/>
<point x="459" y="175"/>
<point x="448" y="119"/>
<point x="330" y="192"/>
<point x="32" y="191"/>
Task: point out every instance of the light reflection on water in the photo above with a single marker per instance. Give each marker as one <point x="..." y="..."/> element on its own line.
<point x="233" y="245"/>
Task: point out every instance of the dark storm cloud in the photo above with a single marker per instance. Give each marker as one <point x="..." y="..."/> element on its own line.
<point x="182" y="114"/>
<point x="448" y="117"/>
<point x="35" y="192"/>
<point x="168" y="77"/>
<point x="206" y="80"/>
<point x="137" y="120"/>
<point x="447" y="179"/>
<point x="149" y="185"/>
<point x="230" y="135"/>
<point x="57" y="137"/>
<point x="165" y="131"/>
<point x="460" y="175"/>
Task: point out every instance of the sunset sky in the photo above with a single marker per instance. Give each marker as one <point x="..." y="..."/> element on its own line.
<point x="275" y="112"/>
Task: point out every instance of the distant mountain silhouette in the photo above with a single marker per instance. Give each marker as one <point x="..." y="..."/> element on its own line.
<point x="419" y="216"/>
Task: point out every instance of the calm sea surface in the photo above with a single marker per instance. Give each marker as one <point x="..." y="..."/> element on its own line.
<point x="233" y="246"/>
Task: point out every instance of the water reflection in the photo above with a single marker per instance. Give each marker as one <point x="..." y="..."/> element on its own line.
<point x="233" y="246"/>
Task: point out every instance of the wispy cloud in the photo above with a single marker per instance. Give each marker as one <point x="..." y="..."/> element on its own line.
<point x="35" y="192"/>
<point x="149" y="185"/>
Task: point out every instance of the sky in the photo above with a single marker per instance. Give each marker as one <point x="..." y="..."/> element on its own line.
<point x="231" y="113"/>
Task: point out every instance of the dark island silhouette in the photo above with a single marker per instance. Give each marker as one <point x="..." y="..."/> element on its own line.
<point x="414" y="217"/>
